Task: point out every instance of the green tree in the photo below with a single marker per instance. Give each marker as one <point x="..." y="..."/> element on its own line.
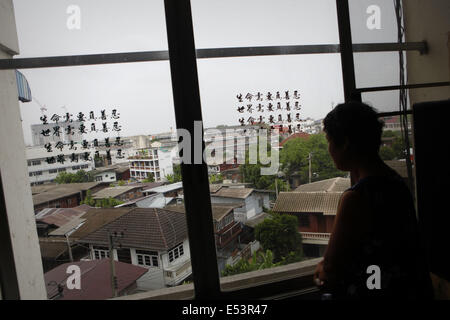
<point x="387" y="153"/>
<point x="78" y="177"/>
<point x="279" y="234"/>
<point x="176" y="176"/>
<point x="259" y="261"/>
<point x="150" y="178"/>
<point x="294" y="159"/>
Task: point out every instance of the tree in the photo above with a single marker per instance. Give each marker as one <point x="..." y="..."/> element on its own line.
<point x="294" y="159"/>
<point x="150" y="178"/>
<point x="279" y="234"/>
<point x="387" y="153"/>
<point x="103" y="203"/>
<point x="176" y="176"/>
<point x="259" y="261"/>
<point x="213" y="178"/>
<point x="78" y="177"/>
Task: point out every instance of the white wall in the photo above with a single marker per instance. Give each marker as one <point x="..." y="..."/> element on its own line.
<point x="13" y="166"/>
<point x="429" y="21"/>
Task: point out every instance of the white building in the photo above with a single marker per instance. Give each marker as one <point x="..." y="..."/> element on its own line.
<point x="252" y="201"/>
<point x="39" y="139"/>
<point x="157" y="160"/>
<point x="40" y="171"/>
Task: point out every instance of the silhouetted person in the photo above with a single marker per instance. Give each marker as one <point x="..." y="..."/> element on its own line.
<point x="375" y="222"/>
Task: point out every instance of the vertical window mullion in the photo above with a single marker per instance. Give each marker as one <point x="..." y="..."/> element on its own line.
<point x="186" y="95"/>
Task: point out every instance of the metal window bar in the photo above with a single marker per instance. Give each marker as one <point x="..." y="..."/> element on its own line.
<point x="187" y="108"/>
<point x="208" y="53"/>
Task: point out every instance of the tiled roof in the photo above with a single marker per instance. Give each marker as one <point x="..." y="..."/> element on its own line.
<point x="113" y="192"/>
<point x="329" y="185"/>
<point x="97" y="218"/>
<point x="238" y="193"/>
<point x="321" y="202"/>
<point x="145" y="228"/>
<point x="95" y="279"/>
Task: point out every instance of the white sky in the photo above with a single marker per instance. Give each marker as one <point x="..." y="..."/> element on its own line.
<point x="142" y="91"/>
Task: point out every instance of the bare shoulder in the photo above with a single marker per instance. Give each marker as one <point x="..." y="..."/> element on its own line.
<point x="351" y="203"/>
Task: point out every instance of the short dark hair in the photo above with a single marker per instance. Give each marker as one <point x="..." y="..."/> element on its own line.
<point x="357" y="122"/>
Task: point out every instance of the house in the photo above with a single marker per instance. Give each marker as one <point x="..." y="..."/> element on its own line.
<point x="112" y="173"/>
<point x="153" y="238"/>
<point x="315" y="205"/>
<point x="253" y="201"/>
<point x="226" y="230"/>
<point x="56" y="251"/>
<point x="95" y="282"/>
<point x="67" y="195"/>
<point x="122" y="193"/>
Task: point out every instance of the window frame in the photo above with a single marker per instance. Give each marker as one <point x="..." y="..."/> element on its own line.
<point x="182" y="56"/>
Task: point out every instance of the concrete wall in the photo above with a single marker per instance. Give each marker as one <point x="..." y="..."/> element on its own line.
<point x="429" y="21"/>
<point x="13" y="166"/>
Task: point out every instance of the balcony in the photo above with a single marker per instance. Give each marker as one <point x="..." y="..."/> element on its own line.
<point x="226" y="236"/>
<point x="315" y="238"/>
<point x="176" y="274"/>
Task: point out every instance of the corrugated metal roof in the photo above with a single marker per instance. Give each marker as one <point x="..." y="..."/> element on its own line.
<point x="48" y="193"/>
<point x="329" y="185"/>
<point x="146" y="228"/>
<point x="166" y="188"/>
<point x="321" y="202"/>
<point x="95" y="279"/>
<point x="113" y="192"/>
<point x="238" y="193"/>
<point x="60" y="216"/>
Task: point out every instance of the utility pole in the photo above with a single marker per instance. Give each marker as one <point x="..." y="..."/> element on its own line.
<point x="309" y="158"/>
<point x="113" y="237"/>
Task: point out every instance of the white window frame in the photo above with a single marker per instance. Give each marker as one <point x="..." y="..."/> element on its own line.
<point x="176" y="252"/>
<point x="151" y="256"/>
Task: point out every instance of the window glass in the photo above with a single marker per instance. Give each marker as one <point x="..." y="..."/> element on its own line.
<point x="57" y="28"/>
<point x="288" y="93"/>
<point x="251" y="23"/>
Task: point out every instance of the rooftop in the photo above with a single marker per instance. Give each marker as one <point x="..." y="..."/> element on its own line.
<point x="320" y="202"/>
<point x="47" y="193"/>
<point x="219" y="210"/>
<point x="95" y="279"/>
<point x="329" y="185"/>
<point x="166" y="188"/>
<point x="145" y="228"/>
<point x="237" y="193"/>
<point x="97" y="218"/>
<point x="112" y="192"/>
<point x="61" y="216"/>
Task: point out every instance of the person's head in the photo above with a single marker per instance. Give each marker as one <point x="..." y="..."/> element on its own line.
<point x="353" y="133"/>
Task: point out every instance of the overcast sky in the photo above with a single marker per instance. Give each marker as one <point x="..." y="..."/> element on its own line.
<point x="142" y="92"/>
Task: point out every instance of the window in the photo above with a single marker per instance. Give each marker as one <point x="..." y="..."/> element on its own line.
<point x="35" y="162"/>
<point x="176" y="252"/>
<point x="100" y="252"/>
<point x="147" y="258"/>
<point x="303" y="220"/>
<point x="263" y="72"/>
<point x="52" y="171"/>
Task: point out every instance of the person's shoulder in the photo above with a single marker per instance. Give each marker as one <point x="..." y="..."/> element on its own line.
<point x="352" y="201"/>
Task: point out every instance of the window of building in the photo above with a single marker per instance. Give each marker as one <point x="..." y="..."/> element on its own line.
<point x="147" y="258"/>
<point x="303" y="220"/>
<point x="100" y="252"/>
<point x="176" y="252"/>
